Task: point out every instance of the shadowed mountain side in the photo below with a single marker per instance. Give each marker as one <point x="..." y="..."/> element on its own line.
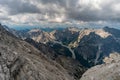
<point x="93" y="48"/>
<point x="21" y="61"/>
<point x="73" y="67"/>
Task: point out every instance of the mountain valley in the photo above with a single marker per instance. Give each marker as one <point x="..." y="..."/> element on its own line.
<point x="72" y="49"/>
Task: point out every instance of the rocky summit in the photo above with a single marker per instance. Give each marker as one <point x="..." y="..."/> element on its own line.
<point x="108" y="71"/>
<point x="21" y="61"/>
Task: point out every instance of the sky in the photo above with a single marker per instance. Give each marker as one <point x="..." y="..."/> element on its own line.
<point x="82" y="12"/>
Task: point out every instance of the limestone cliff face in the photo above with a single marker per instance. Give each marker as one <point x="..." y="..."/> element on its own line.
<point x="21" y="61"/>
<point x="108" y="71"/>
<point x="89" y="46"/>
<point x="93" y="48"/>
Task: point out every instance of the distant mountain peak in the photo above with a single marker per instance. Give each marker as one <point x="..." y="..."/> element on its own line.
<point x="102" y="33"/>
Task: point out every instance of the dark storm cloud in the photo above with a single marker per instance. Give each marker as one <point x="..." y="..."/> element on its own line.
<point x="4" y="18"/>
<point x="89" y="10"/>
<point x="95" y="12"/>
<point x="78" y="10"/>
<point x="18" y="7"/>
<point x="58" y="2"/>
<point x="62" y="3"/>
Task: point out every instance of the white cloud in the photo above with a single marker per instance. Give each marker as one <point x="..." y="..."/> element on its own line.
<point x="35" y="11"/>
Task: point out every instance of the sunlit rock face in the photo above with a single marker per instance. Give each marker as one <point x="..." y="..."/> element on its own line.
<point x="94" y="45"/>
<point x="89" y="46"/>
<point x="108" y="71"/>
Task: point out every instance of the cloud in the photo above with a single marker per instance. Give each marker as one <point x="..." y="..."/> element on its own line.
<point x="19" y="6"/>
<point x="27" y="11"/>
<point x="95" y="10"/>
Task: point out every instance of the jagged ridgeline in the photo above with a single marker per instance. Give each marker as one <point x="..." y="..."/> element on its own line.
<point x="58" y="54"/>
<point x="88" y="46"/>
<point x="21" y="61"/>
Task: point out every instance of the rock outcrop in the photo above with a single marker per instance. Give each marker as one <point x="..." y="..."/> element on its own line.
<point x="108" y="71"/>
<point x="21" y="61"/>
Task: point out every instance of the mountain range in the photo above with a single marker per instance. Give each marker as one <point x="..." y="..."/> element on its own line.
<point x="88" y="46"/>
<point x="60" y="54"/>
<point x="21" y="61"/>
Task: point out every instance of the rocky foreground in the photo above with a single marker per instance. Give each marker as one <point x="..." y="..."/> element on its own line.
<point x="108" y="71"/>
<point x="21" y="61"/>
